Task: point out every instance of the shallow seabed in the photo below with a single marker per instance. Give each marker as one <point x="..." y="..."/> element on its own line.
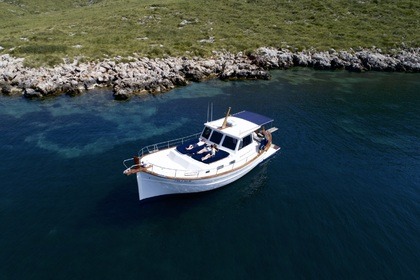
<point x="341" y="199"/>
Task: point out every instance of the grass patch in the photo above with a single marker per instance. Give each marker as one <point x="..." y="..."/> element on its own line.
<point x="40" y="49"/>
<point x="95" y="29"/>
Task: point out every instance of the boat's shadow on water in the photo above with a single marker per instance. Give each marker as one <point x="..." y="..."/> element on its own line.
<point x="122" y="208"/>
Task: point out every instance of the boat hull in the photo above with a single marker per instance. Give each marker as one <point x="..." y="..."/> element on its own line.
<point x="151" y="185"/>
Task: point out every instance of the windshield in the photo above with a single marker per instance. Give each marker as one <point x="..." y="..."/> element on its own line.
<point x="216" y="137"/>
<point x="229" y="142"/>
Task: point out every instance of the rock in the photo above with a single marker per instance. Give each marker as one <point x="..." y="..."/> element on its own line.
<point x="267" y="57"/>
<point x="167" y="84"/>
<point x="285" y="59"/>
<point x="409" y="60"/>
<point x="263" y="75"/>
<point x="243" y="71"/>
<point x="8" y="76"/>
<point x="321" y="61"/>
<point x="227" y="72"/>
<point x="355" y="67"/>
<point x="5" y="88"/>
<point x="89" y="83"/>
<point x="15" y="91"/>
<point x="301" y="59"/>
<point x="209" y="64"/>
<point x="73" y="91"/>
<point x="337" y="63"/>
<point x="376" y="61"/>
<point x="179" y="80"/>
<point x="31" y="93"/>
<point x="194" y="75"/>
<point x="70" y="89"/>
<point x="121" y="94"/>
<point x="46" y="88"/>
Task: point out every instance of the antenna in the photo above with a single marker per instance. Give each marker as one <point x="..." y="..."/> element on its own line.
<point x="210" y="111"/>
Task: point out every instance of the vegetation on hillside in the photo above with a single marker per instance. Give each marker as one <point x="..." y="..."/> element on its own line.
<point x="44" y="33"/>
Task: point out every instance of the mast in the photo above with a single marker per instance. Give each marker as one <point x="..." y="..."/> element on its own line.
<point x="225" y="121"/>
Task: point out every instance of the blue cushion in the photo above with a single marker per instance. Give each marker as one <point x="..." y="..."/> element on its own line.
<point x="183" y="147"/>
<point x="218" y="156"/>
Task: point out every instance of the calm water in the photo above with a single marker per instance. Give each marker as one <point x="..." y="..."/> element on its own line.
<point x="341" y="200"/>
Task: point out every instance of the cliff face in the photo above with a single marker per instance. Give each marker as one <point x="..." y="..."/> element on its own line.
<point x="144" y="75"/>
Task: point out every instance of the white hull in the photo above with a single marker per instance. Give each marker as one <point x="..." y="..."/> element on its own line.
<point x="150" y="185"/>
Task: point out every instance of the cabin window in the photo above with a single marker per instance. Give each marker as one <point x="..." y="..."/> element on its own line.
<point x="230" y="142"/>
<point x="216" y="137"/>
<point x="206" y="133"/>
<point x="245" y="141"/>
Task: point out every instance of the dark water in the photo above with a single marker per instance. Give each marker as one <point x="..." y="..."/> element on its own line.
<point x="341" y="200"/>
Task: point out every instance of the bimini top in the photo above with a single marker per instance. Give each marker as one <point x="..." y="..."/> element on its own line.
<point x="253" y="117"/>
<point x="240" y="124"/>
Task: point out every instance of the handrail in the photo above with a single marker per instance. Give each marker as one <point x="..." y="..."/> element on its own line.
<point x="188" y="173"/>
<point x="131" y="165"/>
<point x="158" y="146"/>
<point x="199" y="173"/>
<point x="184" y="173"/>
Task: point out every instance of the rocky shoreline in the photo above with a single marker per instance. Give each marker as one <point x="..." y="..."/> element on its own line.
<point x="137" y="75"/>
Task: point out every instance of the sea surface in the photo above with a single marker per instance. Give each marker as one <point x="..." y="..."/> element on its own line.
<point x="340" y="201"/>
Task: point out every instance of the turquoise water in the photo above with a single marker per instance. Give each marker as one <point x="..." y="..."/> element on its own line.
<point x="341" y="199"/>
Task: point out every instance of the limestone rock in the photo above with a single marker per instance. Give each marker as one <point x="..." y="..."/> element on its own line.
<point x="31" y="93"/>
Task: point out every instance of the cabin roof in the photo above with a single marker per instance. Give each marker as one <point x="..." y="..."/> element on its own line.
<point x="240" y="124"/>
<point x="258" y="119"/>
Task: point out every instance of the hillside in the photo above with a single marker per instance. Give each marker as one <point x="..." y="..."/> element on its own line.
<point x="95" y="29"/>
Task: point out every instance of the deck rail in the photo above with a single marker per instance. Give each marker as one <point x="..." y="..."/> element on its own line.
<point x="130" y="162"/>
<point x="199" y="173"/>
<point x="177" y="173"/>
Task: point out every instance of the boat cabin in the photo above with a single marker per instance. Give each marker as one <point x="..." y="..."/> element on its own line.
<point x="238" y="132"/>
<point x="232" y="135"/>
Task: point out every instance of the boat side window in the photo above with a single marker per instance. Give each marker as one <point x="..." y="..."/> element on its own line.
<point x="206" y="132"/>
<point x="230" y="142"/>
<point x="216" y="137"/>
<point x="245" y="141"/>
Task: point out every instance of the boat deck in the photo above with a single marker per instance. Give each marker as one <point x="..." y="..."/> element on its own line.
<point x="173" y="164"/>
<point x="193" y="152"/>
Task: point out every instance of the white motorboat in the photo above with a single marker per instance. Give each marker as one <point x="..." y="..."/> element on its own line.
<point x="225" y="150"/>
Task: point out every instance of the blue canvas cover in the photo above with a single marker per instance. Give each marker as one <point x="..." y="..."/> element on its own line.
<point x="253" y="117"/>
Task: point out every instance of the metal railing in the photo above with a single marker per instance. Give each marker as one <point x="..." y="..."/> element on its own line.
<point x="159" y="146"/>
<point x="199" y="173"/>
<point x="189" y="174"/>
<point x="184" y="173"/>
